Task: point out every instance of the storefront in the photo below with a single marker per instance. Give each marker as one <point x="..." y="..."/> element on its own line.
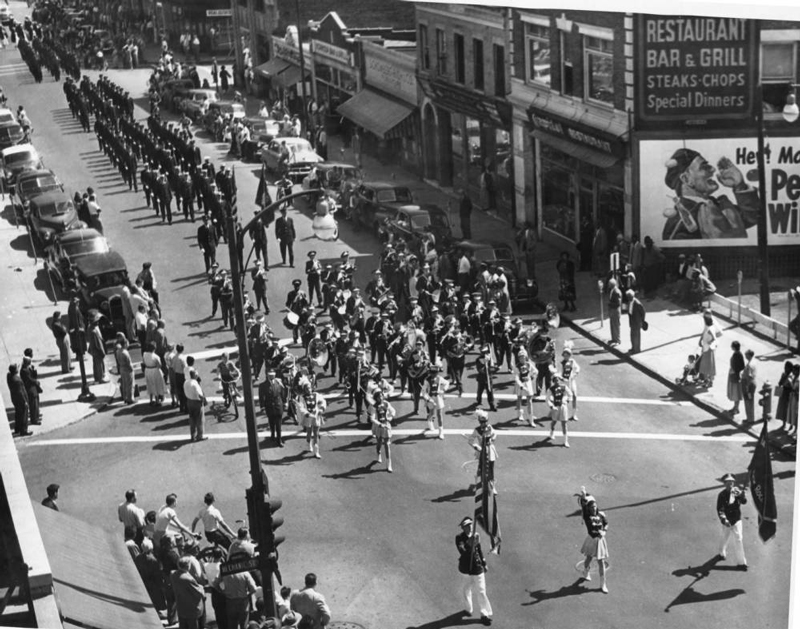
<point x="280" y="76"/>
<point x="386" y="109"/>
<point x="475" y="144"/>
<point x="580" y="178"/>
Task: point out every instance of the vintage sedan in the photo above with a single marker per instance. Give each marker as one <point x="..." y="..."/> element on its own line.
<point x="192" y="104"/>
<point x="498" y="254"/>
<point x="413" y="221"/>
<point x="6" y="115"/>
<point x="100" y="277"/>
<point x="11" y="134"/>
<point x="301" y="157"/>
<point x="66" y="248"/>
<point x="32" y="183"/>
<point x="173" y="92"/>
<point x="15" y="159"/>
<point x="375" y="202"/>
<point x="328" y="182"/>
<point x="51" y="213"/>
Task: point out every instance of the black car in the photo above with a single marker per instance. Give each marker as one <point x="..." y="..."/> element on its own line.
<point x="11" y="134"/>
<point x="100" y="277"/>
<point x="498" y="254"/>
<point x="51" y="213"/>
<point x="376" y="202"/>
<point x="66" y="248"/>
<point x="32" y="183"/>
<point x="412" y="221"/>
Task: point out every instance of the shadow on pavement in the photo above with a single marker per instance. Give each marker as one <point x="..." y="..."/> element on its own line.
<point x="574" y="589"/>
<point x="357" y="473"/>
<point x="456" y="496"/>
<point x="689" y="595"/>
<point x="663" y="498"/>
<point x="453" y="620"/>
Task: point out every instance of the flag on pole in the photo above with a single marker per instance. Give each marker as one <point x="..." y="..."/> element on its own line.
<point x="486" y="498"/>
<point x="761" y="486"/>
<point x="262" y="189"/>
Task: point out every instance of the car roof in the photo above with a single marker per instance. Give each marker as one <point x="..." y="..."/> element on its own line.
<point x="10" y="123"/>
<point x="51" y="196"/>
<point x="5" y="111"/>
<point x="385" y="185"/>
<point x="332" y="165"/>
<point x="20" y="148"/>
<point x="474" y="245"/>
<point x="101" y="263"/>
<point x="78" y="235"/>
<point x="33" y="174"/>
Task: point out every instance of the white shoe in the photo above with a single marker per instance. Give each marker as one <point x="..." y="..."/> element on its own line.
<point x="551" y="437"/>
<point x="316" y="452"/>
<point x="586" y="576"/>
<point x="532" y="422"/>
<point x="566" y="444"/>
<point x="441" y="433"/>
<point x="604" y="589"/>
<point x="389" y="467"/>
<point x="380" y="458"/>
<point x="430" y="427"/>
<point x="520" y="417"/>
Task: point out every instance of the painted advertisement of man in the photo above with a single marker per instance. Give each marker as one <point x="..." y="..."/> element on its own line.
<point x="698" y="212"/>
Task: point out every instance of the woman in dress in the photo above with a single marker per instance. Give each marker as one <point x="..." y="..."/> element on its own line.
<point x="437" y="385"/>
<point x="735" y="377"/>
<point x="594" y="546"/>
<point x="312" y="416"/>
<point x="708" y="346"/>
<point x="559" y="400"/>
<point x="569" y="372"/>
<point x="151" y="364"/>
<point x="785" y="388"/>
<point x="62" y="340"/>
<point x="566" y="277"/>
<point x="384" y="414"/>
<point x="124" y="368"/>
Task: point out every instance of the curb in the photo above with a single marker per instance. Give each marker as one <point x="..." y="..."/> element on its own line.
<point x="708" y="407"/>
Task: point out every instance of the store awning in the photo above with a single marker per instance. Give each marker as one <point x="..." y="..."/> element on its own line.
<point x="272" y="68"/>
<point x="96" y="582"/>
<point x="290" y="76"/>
<point x="579" y="151"/>
<point x="377" y="114"/>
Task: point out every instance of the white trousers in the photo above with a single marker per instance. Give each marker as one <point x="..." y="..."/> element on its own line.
<point x="475" y="583"/>
<point x="734" y="532"/>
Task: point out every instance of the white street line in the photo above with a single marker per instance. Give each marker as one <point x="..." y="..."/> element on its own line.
<point x="739" y="438"/>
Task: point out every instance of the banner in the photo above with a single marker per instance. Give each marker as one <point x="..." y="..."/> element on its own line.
<point x="761" y="487"/>
<point x="486" y="498"/>
<point x="704" y="192"/>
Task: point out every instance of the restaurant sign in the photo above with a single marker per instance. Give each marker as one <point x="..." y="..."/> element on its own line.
<point x="285" y="50"/>
<point x="694" y="70"/>
<point x="331" y="52"/>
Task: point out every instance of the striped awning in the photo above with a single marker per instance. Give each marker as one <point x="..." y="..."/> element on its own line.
<point x="374" y="112"/>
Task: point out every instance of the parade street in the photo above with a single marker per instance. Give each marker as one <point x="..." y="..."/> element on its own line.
<point x="383" y="544"/>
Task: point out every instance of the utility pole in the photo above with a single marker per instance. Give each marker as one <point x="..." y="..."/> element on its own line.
<point x="304" y="113"/>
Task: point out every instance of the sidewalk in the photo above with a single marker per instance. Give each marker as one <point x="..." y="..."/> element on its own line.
<point x="673" y="331"/>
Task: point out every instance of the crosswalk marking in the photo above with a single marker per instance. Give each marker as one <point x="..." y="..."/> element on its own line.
<point x="397" y="432"/>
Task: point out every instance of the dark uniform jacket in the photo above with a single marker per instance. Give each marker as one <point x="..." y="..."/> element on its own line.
<point x="730" y="512"/>
<point x="470" y="556"/>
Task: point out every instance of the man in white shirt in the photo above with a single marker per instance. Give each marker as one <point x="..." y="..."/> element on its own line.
<point x="213" y="522"/>
<point x="167" y="522"/>
<point x="464" y="272"/>
<point x="131" y="515"/>
<point x="195" y="402"/>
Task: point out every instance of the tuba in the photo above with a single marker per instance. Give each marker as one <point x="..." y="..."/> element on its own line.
<point x="317" y="351"/>
<point x="551" y="315"/>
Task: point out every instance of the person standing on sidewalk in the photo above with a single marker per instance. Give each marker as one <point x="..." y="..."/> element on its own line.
<point x="30" y="378"/>
<point x="729" y="510"/>
<point x="735" y="377"/>
<point x="708" y="347"/>
<point x="749" y="386"/>
<point x="465" y="214"/>
<point x="614" y="313"/>
<point x="472" y="568"/>
<point x="566" y="277"/>
<point x="19" y="398"/>
<point x="97" y="348"/>
<point x="132" y="516"/>
<point x="52" y="496"/>
<point x="190" y="597"/>
<point x="62" y="340"/>
<point x="637" y="321"/>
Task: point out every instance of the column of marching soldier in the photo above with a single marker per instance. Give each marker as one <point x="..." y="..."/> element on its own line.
<point x="412" y="341"/>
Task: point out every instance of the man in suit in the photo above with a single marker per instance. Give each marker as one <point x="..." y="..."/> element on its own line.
<point x="19" y="398"/>
<point x="207" y="241"/>
<point x="285" y="234"/>
<point x="272" y="399"/>
<point x="190" y="598"/>
<point x="313" y="271"/>
<point x="636" y="315"/>
<point x="311" y="605"/>
<point x="729" y="510"/>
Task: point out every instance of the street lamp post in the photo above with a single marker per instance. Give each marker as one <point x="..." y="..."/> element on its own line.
<point x="761" y="226"/>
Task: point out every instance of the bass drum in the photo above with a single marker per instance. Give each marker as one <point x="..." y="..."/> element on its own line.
<point x="291" y="320"/>
<point x="541" y="349"/>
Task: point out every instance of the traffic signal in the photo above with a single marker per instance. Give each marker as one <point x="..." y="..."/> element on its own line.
<point x="272" y="541"/>
<point x="766" y="401"/>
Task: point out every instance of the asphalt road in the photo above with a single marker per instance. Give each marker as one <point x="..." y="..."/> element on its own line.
<point x="383" y="543"/>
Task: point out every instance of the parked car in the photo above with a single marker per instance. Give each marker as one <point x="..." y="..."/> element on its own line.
<point x="302" y="157"/>
<point x="6" y="115"/>
<point x="11" y="134"/>
<point x="32" y="183"/>
<point x="263" y="130"/>
<point x="173" y="92"/>
<point x="349" y="172"/>
<point x="223" y="107"/>
<point x="377" y="201"/>
<point x="100" y="277"/>
<point x="499" y="254"/>
<point x="17" y="158"/>
<point x="412" y="221"/>
<point x="192" y="104"/>
<point x="5" y="15"/>
<point x="51" y="213"/>
<point x="68" y="247"/>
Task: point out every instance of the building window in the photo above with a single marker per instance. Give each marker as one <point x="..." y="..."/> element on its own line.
<point x="778" y="71"/>
<point x="261" y="6"/>
<point x="537" y="54"/>
<point x="441" y="52"/>
<point x="499" y="70"/>
<point x="598" y="69"/>
<point x="477" y="63"/>
<point x="425" y="51"/>
<point x="565" y="52"/>
<point x="458" y="58"/>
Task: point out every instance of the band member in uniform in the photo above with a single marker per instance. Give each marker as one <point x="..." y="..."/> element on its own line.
<point x="297" y="302"/>
<point x="384" y="414"/>
<point x="569" y="372"/>
<point x="229" y="376"/>
<point x="524" y="378"/>
<point x="437" y="385"/>
<point x="455" y="346"/>
<point x="558" y="399"/>
<point x="483" y="369"/>
<point x="484" y="430"/>
<point x="417" y="367"/>
<point x="594" y="546"/>
<point x="358" y="377"/>
<point x="226" y="301"/>
<point x="313" y="271"/>
<point x="312" y="416"/>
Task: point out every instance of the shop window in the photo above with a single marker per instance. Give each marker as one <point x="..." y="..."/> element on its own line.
<point x="425" y="53"/>
<point x="598" y="69"/>
<point x="499" y="70"/>
<point x="537" y="54"/>
<point x="477" y="64"/>
<point x="778" y="71"/>
<point x="558" y="192"/>
<point x="323" y="72"/>
<point x="458" y="58"/>
<point x="441" y="52"/>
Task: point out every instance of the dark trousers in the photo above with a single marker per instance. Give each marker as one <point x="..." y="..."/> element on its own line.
<point x="21" y="417"/>
<point x="287" y="246"/>
<point x="219" y="538"/>
<point x="209" y="257"/>
<point x="275" y="423"/>
<point x="486" y="386"/>
<point x="313" y="286"/>
<point x="456" y="366"/>
<point x="33" y="405"/>
<point x="180" y="379"/>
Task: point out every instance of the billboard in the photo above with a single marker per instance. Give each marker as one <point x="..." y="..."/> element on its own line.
<point x="694" y="70"/>
<point x="704" y="192"/>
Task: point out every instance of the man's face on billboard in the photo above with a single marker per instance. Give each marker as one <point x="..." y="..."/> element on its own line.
<point x="698" y="179"/>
